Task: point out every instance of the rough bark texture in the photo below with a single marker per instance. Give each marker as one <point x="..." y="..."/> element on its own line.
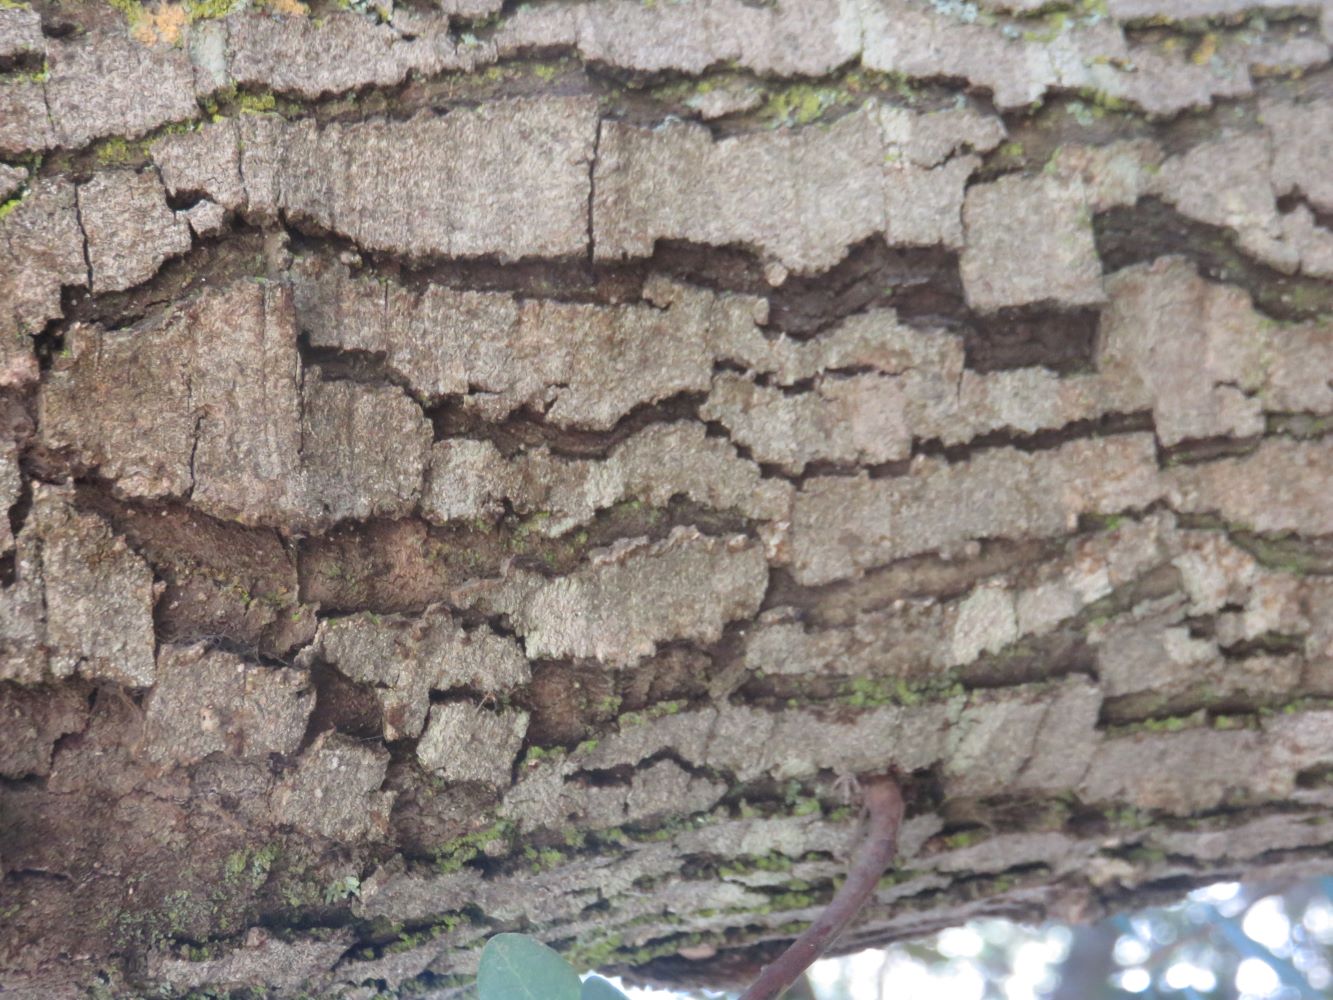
<point x="475" y="466"/>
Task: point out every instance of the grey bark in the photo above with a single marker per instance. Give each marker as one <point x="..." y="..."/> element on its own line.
<point x="474" y="467"/>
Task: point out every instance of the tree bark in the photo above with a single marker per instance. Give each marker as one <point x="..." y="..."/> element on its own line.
<point x="477" y="467"/>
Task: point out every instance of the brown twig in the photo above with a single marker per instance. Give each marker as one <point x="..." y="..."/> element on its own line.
<point x="884" y="805"/>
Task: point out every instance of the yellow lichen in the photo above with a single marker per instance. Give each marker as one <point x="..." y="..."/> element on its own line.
<point x="11" y="204"/>
<point x="162" y="24"/>
<point x="1205" y="50"/>
<point x="204" y="10"/>
<point x="256" y="103"/>
<point x="288" y="8"/>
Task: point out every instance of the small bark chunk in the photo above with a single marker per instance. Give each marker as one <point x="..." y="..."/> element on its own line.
<point x="334" y="790"/>
<point x="209" y="702"/>
<point x="464" y="743"/>
<point x="627" y="599"/>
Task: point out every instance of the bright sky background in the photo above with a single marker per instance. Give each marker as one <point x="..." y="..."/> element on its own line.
<point x="1038" y="951"/>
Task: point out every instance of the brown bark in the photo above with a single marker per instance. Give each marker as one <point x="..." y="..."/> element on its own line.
<point x="474" y="468"/>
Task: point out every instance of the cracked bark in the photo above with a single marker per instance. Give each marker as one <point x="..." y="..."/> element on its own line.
<point x="594" y="427"/>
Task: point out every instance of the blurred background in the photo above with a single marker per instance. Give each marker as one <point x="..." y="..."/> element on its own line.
<point x="1259" y="942"/>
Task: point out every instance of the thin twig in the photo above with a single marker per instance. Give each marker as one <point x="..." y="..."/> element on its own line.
<point x="884" y="806"/>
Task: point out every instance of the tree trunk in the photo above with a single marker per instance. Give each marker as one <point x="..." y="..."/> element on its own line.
<point x="477" y="467"/>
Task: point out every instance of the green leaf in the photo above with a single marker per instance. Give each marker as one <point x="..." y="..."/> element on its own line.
<point x="597" y="988"/>
<point x="519" y="967"/>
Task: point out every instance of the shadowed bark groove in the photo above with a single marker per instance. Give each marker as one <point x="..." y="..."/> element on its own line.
<point x="481" y="467"/>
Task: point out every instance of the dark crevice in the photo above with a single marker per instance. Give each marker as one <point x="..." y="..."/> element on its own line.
<point x="8" y="569"/>
<point x="1063" y="340"/>
<point x="27" y="781"/>
<point x="18" y="516"/>
<point x="526" y="429"/>
<point x="481" y="699"/>
<point x="167" y="532"/>
<point x="1293" y="200"/>
<point x="27" y="62"/>
<point x="515" y="76"/>
<point x="619" y="776"/>
<point x="1106" y="425"/>
<point x="922" y="285"/>
<point x="1310" y="555"/>
<point x="838" y="604"/>
<point x="1209" y="700"/>
<point x="48" y="344"/>
<point x="824" y="468"/>
<point x="1267" y="644"/>
<point x="570" y="280"/>
<point x="1033" y="659"/>
<point x="574" y="282"/>
<point x="235" y="254"/>
<point x="1315" y="777"/>
<point x="194" y="453"/>
<point x="1298" y="15"/>
<point x="183" y="200"/>
<point x="78" y="220"/>
<point x="1200" y="450"/>
<point x="22" y="874"/>
<point x="404" y="565"/>
<point x="343" y="364"/>
<point x="572" y="700"/>
<point x="302" y="403"/>
<point x="53" y="24"/>
<point x="1151" y="229"/>
<point x="227" y="585"/>
<point x="341" y="705"/>
<point x="592" y="194"/>
<point x="509" y="8"/>
<point x="1204" y="627"/>
<point x="568" y="701"/>
<point x="376" y="941"/>
<point x="1067" y="118"/>
<point x="287" y="925"/>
